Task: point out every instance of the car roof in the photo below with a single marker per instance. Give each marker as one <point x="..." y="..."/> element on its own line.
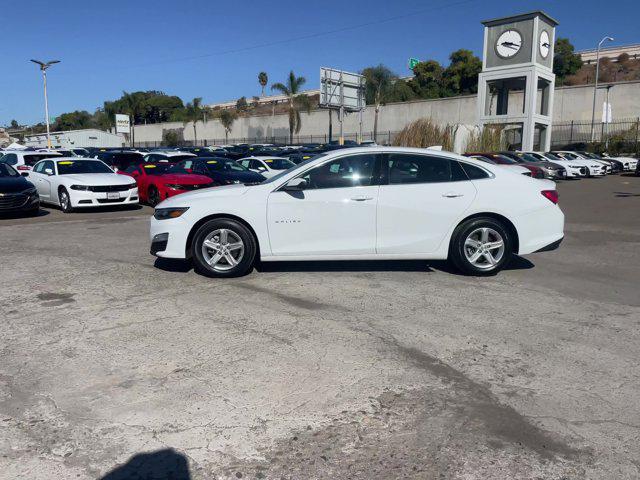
<point x="173" y="153"/>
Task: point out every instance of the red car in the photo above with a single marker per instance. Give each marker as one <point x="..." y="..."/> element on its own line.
<point x="157" y="182"/>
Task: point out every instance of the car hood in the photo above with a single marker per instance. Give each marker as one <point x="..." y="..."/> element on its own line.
<point x="234" y="190"/>
<point x="96" y="179"/>
<point x="14" y="184"/>
<point x="184" y="178"/>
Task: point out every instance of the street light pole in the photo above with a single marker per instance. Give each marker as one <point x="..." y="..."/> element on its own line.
<point x="595" y="88"/>
<point x="43" y="69"/>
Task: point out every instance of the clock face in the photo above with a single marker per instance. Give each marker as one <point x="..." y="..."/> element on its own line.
<point x="544" y="44"/>
<point x="508" y="44"/>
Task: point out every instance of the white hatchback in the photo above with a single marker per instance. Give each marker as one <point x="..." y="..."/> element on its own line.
<point x="81" y="182"/>
<point x="364" y="203"/>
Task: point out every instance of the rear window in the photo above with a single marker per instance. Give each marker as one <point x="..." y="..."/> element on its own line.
<point x="178" y="158"/>
<point x="473" y="172"/>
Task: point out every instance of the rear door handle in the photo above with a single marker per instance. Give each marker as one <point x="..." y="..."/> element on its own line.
<point x="452" y="195"/>
<point x="361" y="198"/>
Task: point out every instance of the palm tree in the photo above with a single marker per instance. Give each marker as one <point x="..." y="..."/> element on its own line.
<point x="227" y="117"/>
<point x="134" y="107"/>
<point x="263" y="79"/>
<point x="296" y="101"/>
<point x="193" y="113"/>
<point x="379" y="84"/>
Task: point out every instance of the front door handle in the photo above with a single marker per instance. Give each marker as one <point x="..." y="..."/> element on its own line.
<point x="361" y="198"/>
<point x="452" y="195"/>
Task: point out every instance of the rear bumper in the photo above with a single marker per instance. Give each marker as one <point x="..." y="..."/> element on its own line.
<point x="552" y="246"/>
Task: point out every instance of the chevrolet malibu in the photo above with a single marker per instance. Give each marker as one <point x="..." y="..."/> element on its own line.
<point x="381" y="203"/>
<point x="81" y="182"/>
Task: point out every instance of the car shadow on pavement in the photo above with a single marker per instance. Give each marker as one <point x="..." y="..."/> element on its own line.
<point x="625" y="194"/>
<point x="173" y="265"/>
<point x="14" y="215"/>
<point x="161" y="465"/>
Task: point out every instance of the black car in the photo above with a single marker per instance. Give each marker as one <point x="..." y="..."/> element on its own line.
<point x="17" y="194"/>
<point x="223" y="171"/>
<point x="120" y="160"/>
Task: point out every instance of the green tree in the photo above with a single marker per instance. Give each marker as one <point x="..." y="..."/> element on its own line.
<point x="263" y="79"/>
<point x="296" y="101"/>
<point x="193" y="113"/>
<point x="74" y="121"/>
<point x="378" y="89"/>
<point x="461" y="76"/>
<point x="15" y="124"/>
<point x="565" y="61"/>
<point x="241" y="104"/>
<point x="132" y="104"/>
<point x="427" y="79"/>
<point x="227" y="117"/>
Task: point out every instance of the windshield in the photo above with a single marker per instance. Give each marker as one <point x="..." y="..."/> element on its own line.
<point x="224" y="164"/>
<point x="70" y="167"/>
<point x="178" y="158"/>
<point x="503" y="160"/>
<point x="528" y="157"/>
<point x="279" y="163"/>
<point x="285" y="172"/>
<point x="552" y="156"/>
<point x="570" y="156"/>
<point x="7" y="171"/>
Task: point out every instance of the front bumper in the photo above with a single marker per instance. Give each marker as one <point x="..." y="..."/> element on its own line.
<point x="175" y="231"/>
<point x="19" y="202"/>
<point x="82" y="198"/>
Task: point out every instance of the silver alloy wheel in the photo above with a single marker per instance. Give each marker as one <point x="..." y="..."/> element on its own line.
<point x="64" y="200"/>
<point x="222" y="249"/>
<point x="484" y="248"/>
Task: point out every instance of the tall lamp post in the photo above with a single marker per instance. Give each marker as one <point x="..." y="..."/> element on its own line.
<point x="595" y="88"/>
<point x="43" y="69"/>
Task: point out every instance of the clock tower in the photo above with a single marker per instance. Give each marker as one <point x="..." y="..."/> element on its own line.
<point x="516" y="85"/>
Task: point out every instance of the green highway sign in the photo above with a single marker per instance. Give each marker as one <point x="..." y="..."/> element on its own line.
<point x="413" y="62"/>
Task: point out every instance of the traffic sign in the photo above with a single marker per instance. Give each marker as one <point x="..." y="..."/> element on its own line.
<point x="413" y="62"/>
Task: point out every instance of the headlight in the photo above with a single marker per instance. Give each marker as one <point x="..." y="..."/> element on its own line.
<point x="30" y="191"/>
<point x="132" y="186"/>
<point x="80" y="187"/>
<point x="167" y="213"/>
<point x="175" y="187"/>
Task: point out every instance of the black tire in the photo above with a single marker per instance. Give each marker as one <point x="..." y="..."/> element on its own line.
<point x="236" y="229"/>
<point x="153" y="196"/>
<point x="458" y="249"/>
<point x="65" y="206"/>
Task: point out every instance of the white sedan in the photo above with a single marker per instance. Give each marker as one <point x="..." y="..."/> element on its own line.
<point x="266" y="166"/>
<point x="81" y="182"/>
<point x="364" y="203"/>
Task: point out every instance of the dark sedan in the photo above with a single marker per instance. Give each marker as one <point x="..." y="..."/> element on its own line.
<point x="17" y="194"/>
<point x="223" y="171"/>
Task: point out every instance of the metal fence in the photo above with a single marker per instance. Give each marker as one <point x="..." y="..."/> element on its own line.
<point x="383" y="138"/>
<point x="625" y="133"/>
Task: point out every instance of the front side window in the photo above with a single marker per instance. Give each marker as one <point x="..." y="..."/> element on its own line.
<point x="39" y="167"/>
<point x="48" y="165"/>
<point x="411" y="168"/>
<point x="343" y="172"/>
<point x="7" y="171"/>
<point x="10" y="159"/>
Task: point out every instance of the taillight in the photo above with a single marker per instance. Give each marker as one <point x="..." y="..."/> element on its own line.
<point x="23" y="167"/>
<point x="551" y="195"/>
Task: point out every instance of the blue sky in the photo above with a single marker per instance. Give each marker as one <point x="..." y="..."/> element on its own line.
<point x="214" y="50"/>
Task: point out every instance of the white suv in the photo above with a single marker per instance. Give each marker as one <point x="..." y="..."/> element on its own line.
<point x="23" y="161"/>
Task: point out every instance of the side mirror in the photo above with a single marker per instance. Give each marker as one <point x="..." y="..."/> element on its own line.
<point x="48" y="171"/>
<point x="295" y="185"/>
<point x="25" y="174"/>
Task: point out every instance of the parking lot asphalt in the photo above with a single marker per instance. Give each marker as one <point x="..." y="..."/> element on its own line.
<point x="115" y="365"/>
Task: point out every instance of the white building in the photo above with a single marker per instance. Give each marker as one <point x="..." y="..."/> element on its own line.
<point x="77" y="138"/>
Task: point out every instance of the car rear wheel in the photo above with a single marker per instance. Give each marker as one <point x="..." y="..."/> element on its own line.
<point x="153" y="196"/>
<point x="223" y="248"/>
<point x="481" y="246"/>
<point x="65" y="201"/>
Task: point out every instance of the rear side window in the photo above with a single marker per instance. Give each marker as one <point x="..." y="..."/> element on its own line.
<point x="473" y="172"/>
<point x="31" y="160"/>
<point x="410" y="168"/>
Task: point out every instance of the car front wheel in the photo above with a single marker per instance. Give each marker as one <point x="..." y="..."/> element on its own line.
<point x="153" y="197"/>
<point x="65" y="201"/>
<point x="223" y="247"/>
<point x="481" y="246"/>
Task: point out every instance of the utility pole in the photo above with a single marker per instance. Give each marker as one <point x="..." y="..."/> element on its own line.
<point x="43" y="69"/>
<point x="595" y="87"/>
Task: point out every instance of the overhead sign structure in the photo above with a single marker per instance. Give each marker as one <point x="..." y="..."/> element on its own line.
<point x="413" y="63"/>
<point x="342" y="91"/>
<point x="122" y="123"/>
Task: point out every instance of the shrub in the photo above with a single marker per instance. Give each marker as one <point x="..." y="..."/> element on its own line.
<point x="487" y="139"/>
<point x="425" y="133"/>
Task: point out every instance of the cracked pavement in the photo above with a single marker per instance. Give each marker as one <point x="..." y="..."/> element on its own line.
<point x="114" y="366"/>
